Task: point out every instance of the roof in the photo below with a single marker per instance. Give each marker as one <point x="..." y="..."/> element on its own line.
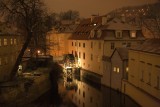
<point x="86" y="26"/>
<point x="149" y="46"/>
<point x="117" y="24"/>
<point x="123" y="53"/>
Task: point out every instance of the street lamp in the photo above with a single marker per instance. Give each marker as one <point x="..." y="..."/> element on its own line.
<point x="38" y="51"/>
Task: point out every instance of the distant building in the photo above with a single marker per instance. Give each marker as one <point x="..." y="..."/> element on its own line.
<point x="10" y="46"/>
<point x="57" y="38"/>
<point x="119" y="68"/>
<point x="143" y="83"/>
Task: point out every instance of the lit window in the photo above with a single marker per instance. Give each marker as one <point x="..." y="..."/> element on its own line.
<point x="15" y="41"/>
<point x="94" y="24"/>
<point x="5" y="42"/>
<point x="114" y="69"/>
<point x="133" y="34"/>
<point x="127" y="69"/>
<point x="117" y="70"/>
<point x="11" y="41"/>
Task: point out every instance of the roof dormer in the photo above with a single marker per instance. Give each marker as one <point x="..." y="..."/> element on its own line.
<point x="99" y="33"/>
<point x="92" y="33"/>
<point x="133" y="34"/>
<point x="118" y="34"/>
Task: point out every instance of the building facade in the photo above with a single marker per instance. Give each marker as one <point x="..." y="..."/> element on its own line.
<point x="10" y="46"/>
<point x="119" y="68"/>
<point x="95" y="39"/>
<point x="143" y="83"/>
<point x="57" y="39"/>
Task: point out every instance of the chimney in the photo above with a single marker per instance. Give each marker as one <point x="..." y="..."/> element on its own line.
<point x="92" y="17"/>
<point x="105" y="19"/>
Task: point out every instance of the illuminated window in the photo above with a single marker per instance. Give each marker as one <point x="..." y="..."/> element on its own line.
<point x="117" y="70"/>
<point x="11" y="41"/>
<point x="133" y="34"/>
<point x="15" y="41"/>
<point x="114" y="69"/>
<point x="5" y="42"/>
<point x="127" y="69"/>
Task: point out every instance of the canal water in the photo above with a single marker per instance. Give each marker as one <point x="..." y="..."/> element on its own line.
<point x="76" y="91"/>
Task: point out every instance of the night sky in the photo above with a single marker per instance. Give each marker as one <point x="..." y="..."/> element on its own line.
<point x="89" y="7"/>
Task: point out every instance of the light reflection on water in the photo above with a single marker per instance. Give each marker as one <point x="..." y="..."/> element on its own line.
<point x="85" y="93"/>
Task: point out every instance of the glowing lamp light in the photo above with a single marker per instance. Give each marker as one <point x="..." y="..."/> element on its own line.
<point x="38" y="51"/>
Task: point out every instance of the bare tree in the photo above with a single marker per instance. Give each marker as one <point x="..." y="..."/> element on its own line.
<point x="152" y="19"/>
<point x="27" y="16"/>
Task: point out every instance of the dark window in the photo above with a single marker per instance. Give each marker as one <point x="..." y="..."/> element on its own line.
<point x="112" y="46"/>
<point x="79" y="54"/>
<point x="128" y="44"/>
<point x="83" y="45"/>
<point x="83" y="94"/>
<point x="83" y="55"/>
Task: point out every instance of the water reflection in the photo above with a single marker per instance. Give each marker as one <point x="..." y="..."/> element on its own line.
<point x="85" y="93"/>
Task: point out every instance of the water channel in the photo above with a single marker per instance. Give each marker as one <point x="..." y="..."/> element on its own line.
<point x="76" y="91"/>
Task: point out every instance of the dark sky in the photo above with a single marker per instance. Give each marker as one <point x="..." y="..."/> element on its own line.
<point x="89" y="7"/>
